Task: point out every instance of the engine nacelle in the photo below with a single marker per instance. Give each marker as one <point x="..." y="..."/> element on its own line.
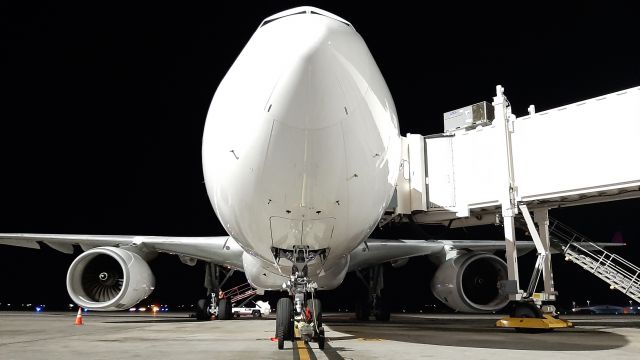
<point x="109" y="278"/>
<point x="469" y="283"/>
<point x="396" y="264"/>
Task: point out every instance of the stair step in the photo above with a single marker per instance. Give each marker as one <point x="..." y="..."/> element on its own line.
<point x="611" y="268"/>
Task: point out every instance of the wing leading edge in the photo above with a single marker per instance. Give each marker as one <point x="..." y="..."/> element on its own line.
<point x="224" y="250"/>
<point x="221" y="250"/>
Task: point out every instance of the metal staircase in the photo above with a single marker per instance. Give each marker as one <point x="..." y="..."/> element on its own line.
<point x="616" y="271"/>
<point x="243" y="292"/>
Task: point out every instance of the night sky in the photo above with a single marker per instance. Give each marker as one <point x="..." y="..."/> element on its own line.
<point x="103" y="108"/>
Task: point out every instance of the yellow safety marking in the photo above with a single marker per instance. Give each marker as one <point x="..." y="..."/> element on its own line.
<point x="303" y="352"/>
<point x="547" y="322"/>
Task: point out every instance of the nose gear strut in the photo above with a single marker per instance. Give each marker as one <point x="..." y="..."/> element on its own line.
<point x="304" y="313"/>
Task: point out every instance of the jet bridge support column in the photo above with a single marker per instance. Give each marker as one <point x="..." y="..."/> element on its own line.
<point x="541" y="217"/>
<point x="541" y="241"/>
<point x="503" y="119"/>
<point x="513" y="286"/>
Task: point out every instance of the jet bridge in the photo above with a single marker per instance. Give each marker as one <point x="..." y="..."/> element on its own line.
<point x="576" y="154"/>
<point x="490" y="165"/>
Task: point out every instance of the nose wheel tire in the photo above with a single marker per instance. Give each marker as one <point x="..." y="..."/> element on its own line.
<point x="315" y="306"/>
<point x="284" y="321"/>
<point x="225" y="310"/>
<point x="321" y="338"/>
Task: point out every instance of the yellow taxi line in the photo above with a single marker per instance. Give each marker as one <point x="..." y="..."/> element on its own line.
<point x="303" y="351"/>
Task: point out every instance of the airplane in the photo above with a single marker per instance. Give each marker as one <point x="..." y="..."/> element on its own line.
<point x="301" y="153"/>
<point x="602" y="310"/>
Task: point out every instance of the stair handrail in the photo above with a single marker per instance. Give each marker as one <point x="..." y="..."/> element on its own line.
<point x="617" y="271"/>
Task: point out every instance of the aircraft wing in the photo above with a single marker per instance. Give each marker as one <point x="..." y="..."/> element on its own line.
<point x="221" y="250"/>
<point x="224" y="250"/>
<point x="378" y="251"/>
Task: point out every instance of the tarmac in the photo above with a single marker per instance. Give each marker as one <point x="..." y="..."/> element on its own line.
<point x="50" y="335"/>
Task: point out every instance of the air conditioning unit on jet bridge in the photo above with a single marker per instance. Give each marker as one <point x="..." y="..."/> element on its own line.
<point x="468" y="117"/>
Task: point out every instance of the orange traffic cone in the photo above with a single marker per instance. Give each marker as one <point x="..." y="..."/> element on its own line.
<point x="79" y="316"/>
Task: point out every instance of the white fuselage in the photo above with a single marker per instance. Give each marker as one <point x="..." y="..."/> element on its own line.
<point x="301" y="146"/>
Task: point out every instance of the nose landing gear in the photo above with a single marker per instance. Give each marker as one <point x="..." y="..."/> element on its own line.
<point x="300" y="318"/>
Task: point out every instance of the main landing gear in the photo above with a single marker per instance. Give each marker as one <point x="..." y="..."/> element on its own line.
<point x="213" y="305"/>
<point x="372" y="303"/>
<point x="301" y="316"/>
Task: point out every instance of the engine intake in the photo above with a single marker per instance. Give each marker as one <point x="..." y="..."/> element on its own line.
<point x="469" y="283"/>
<point x="109" y="278"/>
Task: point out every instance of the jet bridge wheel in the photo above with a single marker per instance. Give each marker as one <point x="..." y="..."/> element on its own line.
<point x="527" y="317"/>
<point x="522" y="309"/>
<point x="284" y="321"/>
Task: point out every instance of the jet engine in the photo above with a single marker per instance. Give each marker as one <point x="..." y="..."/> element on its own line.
<point x="469" y="283"/>
<point x="109" y="278"/>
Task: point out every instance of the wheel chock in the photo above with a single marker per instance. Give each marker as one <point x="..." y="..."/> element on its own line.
<point x="547" y="322"/>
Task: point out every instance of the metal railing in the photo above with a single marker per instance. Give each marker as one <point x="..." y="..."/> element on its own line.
<point x="241" y="292"/>
<point x="619" y="273"/>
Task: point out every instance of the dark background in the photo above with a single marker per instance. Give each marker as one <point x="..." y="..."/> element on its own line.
<point x="103" y="108"/>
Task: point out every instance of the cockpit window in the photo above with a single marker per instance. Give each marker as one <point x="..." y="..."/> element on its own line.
<point x="301" y="12"/>
<point x="317" y="13"/>
<point x="283" y="16"/>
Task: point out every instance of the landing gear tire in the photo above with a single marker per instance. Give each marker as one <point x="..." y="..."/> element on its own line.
<point x="315" y="307"/>
<point x="362" y="310"/>
<point x="284" y="321"/>
<point x="202" y="310"/>
<point x="381" y="312"/>
<point x="321" y="338"/>
<point x="225" y="310"/>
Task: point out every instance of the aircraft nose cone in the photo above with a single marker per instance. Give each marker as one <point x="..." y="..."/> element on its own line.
<point x="307" y="94"/>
